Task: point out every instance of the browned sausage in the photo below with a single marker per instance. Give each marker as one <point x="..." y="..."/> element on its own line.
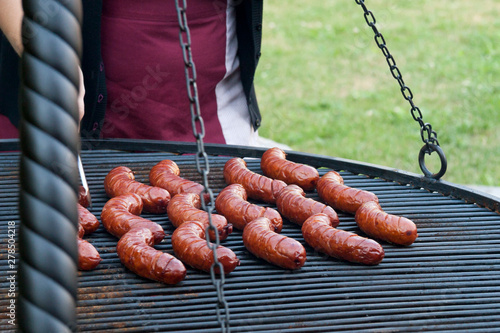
<point x="121" y="180"/>
<point x="275" y="165"/>
<point x="81" y="231"/>
<point x="258" y="187"/>
<point x="332" y="191"/>
<point x="293" y="204"/>
<point x="82" y="197"/>
<point x="88" y="257"/>
<point x="135" y="250"/>
<point x="341" y="244"/>
<point x="380" y="225"/>
<point x="277" y="249"/>
<point x="190" y="246"/>
<point x="166" y="174"/>
<point x="232" y="203"/>
<point x="87" y="220"/>
<point x="186" y="207"/>
<point x="121" y="213"/>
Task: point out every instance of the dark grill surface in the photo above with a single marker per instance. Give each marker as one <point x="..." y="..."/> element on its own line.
<point x="448" y="280"/>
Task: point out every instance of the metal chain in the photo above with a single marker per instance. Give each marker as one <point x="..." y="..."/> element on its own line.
<point x="426" y="132"/>
<point x="202" y="164"/>
<point x="429" y="136"/>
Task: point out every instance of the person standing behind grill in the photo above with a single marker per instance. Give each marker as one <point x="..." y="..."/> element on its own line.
<point x="133" y="69"/>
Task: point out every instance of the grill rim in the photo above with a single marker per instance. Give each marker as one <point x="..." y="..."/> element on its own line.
<point x="446" y="188"/>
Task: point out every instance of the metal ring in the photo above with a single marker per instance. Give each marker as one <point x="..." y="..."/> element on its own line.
<point x="429" y="148"/>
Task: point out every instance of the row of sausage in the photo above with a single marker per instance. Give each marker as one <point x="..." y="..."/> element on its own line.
<point x="283" y="184"/>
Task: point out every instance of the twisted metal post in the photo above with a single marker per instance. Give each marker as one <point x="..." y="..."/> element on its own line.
<point x="49" y="139"/>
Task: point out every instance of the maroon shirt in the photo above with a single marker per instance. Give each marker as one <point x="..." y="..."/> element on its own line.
<point x="147" y="94"/>
<point x="7" y="130"/>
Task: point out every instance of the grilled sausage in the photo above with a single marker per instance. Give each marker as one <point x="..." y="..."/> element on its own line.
<point x="277" y="249"/>
<point x="166" y="174"/>
<point x="258" y="187"/>
<point x="190" y="246"/>
<point x="332" y="191"/>
<point x="232" y="203"/>
<point x="275" y="165"/>
<point x="88" y="257"/>
<point x="186" y="207"/>
<point x="87" y="220"/>
<point x="378" y="224"/>
<point x="82" y="197"/>
<point x="135" y="250"/>
<point x="341" y="244"/>
<point x="293" y="204"/>
<point x="120" y="214"/>
<point x="121" y="180"/>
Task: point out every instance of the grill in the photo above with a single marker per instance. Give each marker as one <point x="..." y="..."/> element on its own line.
<point x="448" y="280"/>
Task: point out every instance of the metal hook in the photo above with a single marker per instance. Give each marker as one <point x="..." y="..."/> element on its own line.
<point x="429" y="148"/>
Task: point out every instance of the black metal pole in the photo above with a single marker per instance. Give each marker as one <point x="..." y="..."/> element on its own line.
<point x="48" y="167"/>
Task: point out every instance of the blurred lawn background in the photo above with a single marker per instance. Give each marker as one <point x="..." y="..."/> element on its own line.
<point x="324" y="87"/>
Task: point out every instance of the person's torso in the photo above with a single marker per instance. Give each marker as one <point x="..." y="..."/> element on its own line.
<point x="145" y="71"/>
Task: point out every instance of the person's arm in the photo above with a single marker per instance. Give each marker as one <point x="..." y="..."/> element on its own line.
<point x="11" y="17"/>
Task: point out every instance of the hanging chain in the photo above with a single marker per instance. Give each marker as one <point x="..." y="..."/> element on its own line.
<point x="429" y="137"/>
<point x="202" y="163"/>
<point x="425" y="128"/>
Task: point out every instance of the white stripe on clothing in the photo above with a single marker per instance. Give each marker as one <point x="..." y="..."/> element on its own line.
<point x="232" y="108"/>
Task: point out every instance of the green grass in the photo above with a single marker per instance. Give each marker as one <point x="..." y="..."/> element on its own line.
<point x="324" y="87"/>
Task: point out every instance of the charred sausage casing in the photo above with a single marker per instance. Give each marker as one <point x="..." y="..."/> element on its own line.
<point x="121" y="180"/>
<point x="166" y="174"/>
<point x="232" y="203"/>
<point x="190" y="246"/>
<point x="341" y="244"/>
<point x="293" y="204"/>
<point x="276" y="249"/>
<point x="378" y="224"/>
<point x="135" y="250"/>
<point x="332" y="191"/>
<point x="186" y="207"/>
<point x="120" y="214"/>
<point x="275" y="165"/>
<point x="258" y="187"/>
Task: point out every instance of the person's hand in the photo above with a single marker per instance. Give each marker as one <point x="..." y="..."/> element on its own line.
<point x="81" y="94"/>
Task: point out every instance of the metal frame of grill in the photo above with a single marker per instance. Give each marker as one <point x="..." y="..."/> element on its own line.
<point x="448" y="280"/>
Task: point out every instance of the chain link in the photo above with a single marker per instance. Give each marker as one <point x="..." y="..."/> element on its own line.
<point x="427" y="134"/>
<point x="202" y="164"/>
